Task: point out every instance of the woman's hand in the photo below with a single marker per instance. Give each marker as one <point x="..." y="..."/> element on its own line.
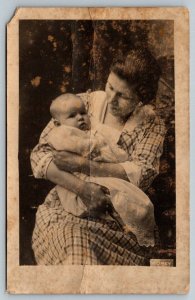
<point x="68" y="161"/>
<point x="95" y="197"/>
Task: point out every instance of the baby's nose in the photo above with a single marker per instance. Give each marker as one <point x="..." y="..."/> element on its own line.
<point x="79" y="116"/>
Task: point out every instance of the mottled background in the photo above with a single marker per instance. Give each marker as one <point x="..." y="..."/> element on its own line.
<point x="74" y="56"/>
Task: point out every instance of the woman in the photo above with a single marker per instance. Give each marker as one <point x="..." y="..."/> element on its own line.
<point x="61" y="238"/>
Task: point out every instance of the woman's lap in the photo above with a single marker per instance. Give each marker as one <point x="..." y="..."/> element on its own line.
<point x="61" y="238"/>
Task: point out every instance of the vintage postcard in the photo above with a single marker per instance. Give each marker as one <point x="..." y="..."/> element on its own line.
<point x="98" y="151"/>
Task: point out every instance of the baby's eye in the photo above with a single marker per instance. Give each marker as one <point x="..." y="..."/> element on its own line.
<point x="71" y="115"/>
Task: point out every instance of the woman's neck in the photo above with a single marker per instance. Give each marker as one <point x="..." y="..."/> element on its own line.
<point x="113" y="121"/>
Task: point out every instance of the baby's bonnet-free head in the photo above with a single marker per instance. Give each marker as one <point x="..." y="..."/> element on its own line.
<point x="68" y="109"/>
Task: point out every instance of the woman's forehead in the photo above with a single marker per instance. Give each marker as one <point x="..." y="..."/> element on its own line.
<point x="118" y="84"/>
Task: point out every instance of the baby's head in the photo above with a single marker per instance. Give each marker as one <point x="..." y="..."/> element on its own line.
<point x="69" y="109"/>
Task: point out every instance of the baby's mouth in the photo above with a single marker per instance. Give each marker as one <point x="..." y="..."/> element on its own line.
<point x="83" y="126"/>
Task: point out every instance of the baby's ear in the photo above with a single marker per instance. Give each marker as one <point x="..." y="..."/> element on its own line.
<point x="56" y="122"/>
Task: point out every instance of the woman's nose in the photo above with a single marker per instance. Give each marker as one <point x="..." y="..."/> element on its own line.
<point x="113" y="97"/>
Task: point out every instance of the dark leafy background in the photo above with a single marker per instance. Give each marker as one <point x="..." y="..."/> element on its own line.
<point x="74" y="56"/>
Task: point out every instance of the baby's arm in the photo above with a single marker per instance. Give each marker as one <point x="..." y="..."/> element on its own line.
<point x="71" y="139"/>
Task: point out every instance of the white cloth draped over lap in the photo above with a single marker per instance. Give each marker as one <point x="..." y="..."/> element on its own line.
<point x="128" y="200"/>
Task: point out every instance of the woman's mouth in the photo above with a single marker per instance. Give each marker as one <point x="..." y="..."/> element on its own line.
<point x="114" y="108"/>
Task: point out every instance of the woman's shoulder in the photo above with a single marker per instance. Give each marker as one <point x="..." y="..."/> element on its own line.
<point x="145" y="118"/>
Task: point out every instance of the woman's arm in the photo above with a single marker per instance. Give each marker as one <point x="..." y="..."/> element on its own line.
<point x="140" y="170"/>
<point x="145" y="157"/>
<point x="103" y="169"/>
<point x="73" y="163"/>
<point x="93" y="195"/>
<point x="64" y="179"/>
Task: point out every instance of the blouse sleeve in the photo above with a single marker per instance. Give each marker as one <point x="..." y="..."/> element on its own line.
<point x="145" y="147"/>
<point x="41" y="155"/>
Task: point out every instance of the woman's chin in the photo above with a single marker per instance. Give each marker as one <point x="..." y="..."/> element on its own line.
<point x="116" y="113"/>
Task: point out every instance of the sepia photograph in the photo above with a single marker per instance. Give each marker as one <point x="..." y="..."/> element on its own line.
<point x="97" y="141"/>
<point x="121" y="74"/>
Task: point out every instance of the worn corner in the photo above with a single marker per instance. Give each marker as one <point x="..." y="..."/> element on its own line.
<point x="185" y="290"/>
<point x="10" y="291"/>
<point x="14" y="16"/>
<point x="185" y="11"/>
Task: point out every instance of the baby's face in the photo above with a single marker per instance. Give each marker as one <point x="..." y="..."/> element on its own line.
<point x="74" y="114"/>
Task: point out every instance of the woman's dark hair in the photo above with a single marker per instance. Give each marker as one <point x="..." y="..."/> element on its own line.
<point x="141" y="70"/>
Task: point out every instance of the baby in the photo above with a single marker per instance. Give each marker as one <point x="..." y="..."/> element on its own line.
<point x="73" y="133"/>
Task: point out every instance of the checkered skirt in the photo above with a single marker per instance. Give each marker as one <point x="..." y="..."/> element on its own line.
<point x="62" y="238"/>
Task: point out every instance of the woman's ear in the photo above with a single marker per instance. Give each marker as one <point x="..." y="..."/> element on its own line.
<point x="56" y="122"/>
<point x="138" y="107"/>
<point x="140" y="104"/>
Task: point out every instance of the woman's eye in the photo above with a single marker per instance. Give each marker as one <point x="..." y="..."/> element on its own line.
<point x="110" y="87"/>
<point x="126" y="98"/>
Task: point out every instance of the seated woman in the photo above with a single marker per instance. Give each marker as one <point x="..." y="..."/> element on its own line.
<point x="62" y="238"/>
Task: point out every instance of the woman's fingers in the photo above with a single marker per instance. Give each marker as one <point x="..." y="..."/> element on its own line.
<point x="61" y="155"/>
<point x="95" y="196"/>
<point x="57" y="157"/>
<point x="58" y="161"/>
<point x="101" y="200"/>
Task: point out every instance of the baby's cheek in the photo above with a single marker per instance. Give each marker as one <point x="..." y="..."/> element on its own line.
<point x="87" y="121"/>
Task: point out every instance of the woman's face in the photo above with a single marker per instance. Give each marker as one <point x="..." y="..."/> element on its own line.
<point x="121" y="98"/>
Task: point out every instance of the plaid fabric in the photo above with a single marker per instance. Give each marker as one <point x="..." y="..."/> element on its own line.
<point x="144" y="146"/>
<point x="61" y="238"/>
